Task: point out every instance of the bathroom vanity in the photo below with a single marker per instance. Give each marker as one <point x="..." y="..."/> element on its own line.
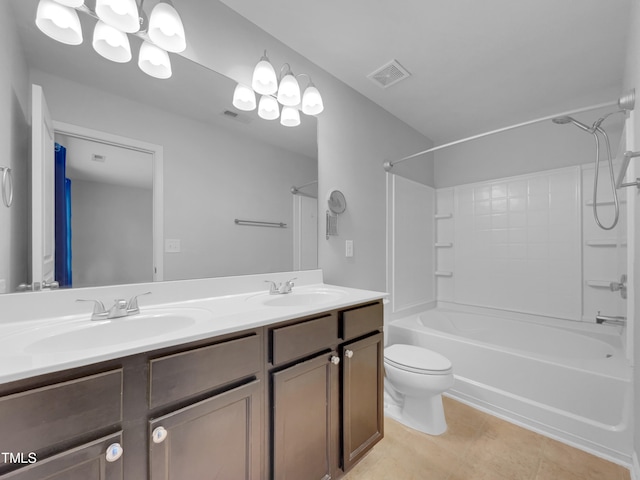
<point x="294" y="392"/>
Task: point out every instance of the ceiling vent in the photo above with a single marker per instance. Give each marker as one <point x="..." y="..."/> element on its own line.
<point x="238" y="117"/>
<point x="389" y="74"/>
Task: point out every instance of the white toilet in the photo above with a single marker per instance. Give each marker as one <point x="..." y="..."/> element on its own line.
<point x="415" y="380"/>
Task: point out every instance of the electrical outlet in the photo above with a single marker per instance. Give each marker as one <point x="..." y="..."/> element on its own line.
<point x="348" y="248"/>
<point x="172" y="245"/>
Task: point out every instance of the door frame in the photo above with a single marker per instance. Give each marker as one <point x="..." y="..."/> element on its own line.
<point x="157" y="154"/>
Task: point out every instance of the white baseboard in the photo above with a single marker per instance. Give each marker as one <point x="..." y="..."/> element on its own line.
<point x="635" y="467"/>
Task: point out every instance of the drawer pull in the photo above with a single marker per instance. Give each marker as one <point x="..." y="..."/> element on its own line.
<point x="348" y="353"/>
<point x="159" y="434"/>
<point x="335" y="360"/>
<point x="114" y="452"/>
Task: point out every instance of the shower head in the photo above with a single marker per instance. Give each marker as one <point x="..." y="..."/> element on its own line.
<point x="566" y="119"/>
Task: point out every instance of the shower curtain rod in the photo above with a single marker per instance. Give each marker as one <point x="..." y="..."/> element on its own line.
<point x="296" y="190"/>
<point x="389" y="164"/>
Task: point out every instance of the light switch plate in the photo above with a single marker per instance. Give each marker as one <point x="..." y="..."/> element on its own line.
<point x="348" y="248"/>
<point x="172" y="245"/>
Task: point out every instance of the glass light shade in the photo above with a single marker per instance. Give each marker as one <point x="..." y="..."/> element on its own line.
<point x="166" y="29"/>
<point x="121" y="14"/>
<point x="111" y="43"/>
<point x="312" y="101"/>
<point x="289" y="91"/>
<point x="244" y="98"/>
<point x="264" y="79"/>
<point x="59" y="22"/>
<point x="154" y="61"/>
<point x="71" y="3"/>
<point x="290" y="117"/>
<point x="268" y="108"/>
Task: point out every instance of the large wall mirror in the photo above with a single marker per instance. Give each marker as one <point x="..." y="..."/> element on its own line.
<point x="218" y="165"/>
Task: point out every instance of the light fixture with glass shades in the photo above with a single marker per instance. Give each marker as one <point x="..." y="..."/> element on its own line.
<point x="275" y="91"/>
<point x="163" y="31"/>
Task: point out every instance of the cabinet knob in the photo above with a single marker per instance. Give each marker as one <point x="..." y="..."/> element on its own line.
<point x="114" y="452"/>
<point x="159" y="434"/>
<point x="348" y="353"/>
<point x="335" y="360"/>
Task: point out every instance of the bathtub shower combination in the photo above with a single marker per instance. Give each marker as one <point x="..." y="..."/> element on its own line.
<point x="573" y="385"/>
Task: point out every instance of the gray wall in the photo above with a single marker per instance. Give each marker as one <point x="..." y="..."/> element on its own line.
<point x="14" y="148"/>
<point x="355" y="137"/>
<point x="111" y="234"/>
<point x="534" y="148"/>
<point x="632" y="80"/>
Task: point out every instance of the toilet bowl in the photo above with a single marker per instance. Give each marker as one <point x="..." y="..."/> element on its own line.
<point x="415" y="380"/>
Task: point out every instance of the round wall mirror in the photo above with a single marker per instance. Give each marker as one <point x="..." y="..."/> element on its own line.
<point x="337" y="202"/>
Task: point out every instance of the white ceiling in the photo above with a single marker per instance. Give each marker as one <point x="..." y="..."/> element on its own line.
<point x="475" y="65"/>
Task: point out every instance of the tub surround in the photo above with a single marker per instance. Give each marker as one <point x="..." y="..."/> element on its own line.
<point x="228" y="305"/>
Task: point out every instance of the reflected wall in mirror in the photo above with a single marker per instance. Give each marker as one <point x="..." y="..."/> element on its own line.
<point x="218" y="164"/>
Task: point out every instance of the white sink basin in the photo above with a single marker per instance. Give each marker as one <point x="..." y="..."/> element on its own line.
<point x="300" y="298"/>
<point x="89" y="334"/>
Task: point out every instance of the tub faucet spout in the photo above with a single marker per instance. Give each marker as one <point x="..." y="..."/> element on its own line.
<point x="615" y="320"/>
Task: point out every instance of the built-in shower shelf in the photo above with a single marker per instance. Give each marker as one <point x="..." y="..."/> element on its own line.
<point x="444" y="245"/>
<point x="605" y="242"/>
<point x="440" y="273"/>
<point x="599" y="284"/>
<point x="440" y="216"/>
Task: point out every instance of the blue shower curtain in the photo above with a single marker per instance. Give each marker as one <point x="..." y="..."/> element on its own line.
<point x="63" y="218"/>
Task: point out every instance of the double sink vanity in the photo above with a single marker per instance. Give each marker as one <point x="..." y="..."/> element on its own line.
<point x="220" y="380"/>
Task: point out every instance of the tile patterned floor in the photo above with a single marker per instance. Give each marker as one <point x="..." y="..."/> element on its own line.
<point x="478" y="446"/>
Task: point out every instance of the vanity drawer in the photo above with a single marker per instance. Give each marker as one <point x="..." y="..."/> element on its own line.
<point x="182" y="375"/>
<point x="361" y="320"/>
<point x="46" y="416"/>
<point x="304" y="338"/>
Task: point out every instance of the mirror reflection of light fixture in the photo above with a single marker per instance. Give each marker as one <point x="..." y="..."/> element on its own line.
<point x="111" y="43"/>
<point x="287" y="93"/>
<point x="154" y="61"/>
<point x="244" y="98"/>
<point x="290" y="117"/>
<point x="268" y="108"/>
<point x="59" y="20"/>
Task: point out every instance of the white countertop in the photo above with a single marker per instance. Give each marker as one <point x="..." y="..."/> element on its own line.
<point x="22" y="354"/>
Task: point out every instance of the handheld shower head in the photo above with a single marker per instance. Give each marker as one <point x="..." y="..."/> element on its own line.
<point x="566" y="119"/>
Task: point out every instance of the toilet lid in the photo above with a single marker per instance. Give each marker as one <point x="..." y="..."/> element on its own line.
<point x="410" y="357"/>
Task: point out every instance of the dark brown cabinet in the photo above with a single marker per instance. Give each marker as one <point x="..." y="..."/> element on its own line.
<point x="85" y="462"/>
<point x="297" y="400"/>
<point x="217" y="438"/>
<point x="362" y="401"/>
<point x="305" y="413"/>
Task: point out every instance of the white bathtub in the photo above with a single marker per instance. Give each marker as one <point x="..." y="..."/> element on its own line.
<point x="572" y="385"/>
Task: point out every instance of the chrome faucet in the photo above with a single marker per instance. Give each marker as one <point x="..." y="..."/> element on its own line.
<point x="615" y="320"/>
<point x="280" y="288"/>
<point x="120" y="308"/>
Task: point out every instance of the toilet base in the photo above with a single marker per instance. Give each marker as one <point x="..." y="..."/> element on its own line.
<point x="423" y="414"/>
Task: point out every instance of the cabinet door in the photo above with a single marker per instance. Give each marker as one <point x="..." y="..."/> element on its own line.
<point x="86" y="462"/>
<point x="305" y="420"/>
<point x="362" y="387"/>
<point x="216" y="439"/>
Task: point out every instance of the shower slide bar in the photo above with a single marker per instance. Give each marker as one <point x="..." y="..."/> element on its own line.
<point x="624" y="103"/>
<point x="626" y="158"/>
<point x="258" y="223"/>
